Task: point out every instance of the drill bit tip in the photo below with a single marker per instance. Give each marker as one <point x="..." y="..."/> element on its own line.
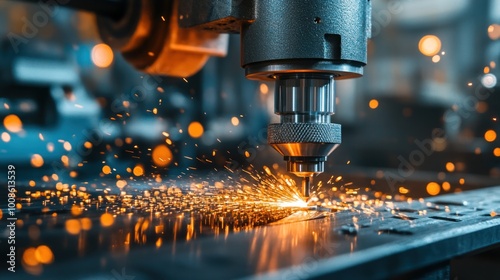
<point x="306" y="185"/>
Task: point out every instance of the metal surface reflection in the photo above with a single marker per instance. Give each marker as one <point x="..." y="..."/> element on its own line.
<point x="228" y="244"/>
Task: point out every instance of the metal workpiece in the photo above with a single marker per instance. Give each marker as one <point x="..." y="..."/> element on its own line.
<point x="370" y="242"/>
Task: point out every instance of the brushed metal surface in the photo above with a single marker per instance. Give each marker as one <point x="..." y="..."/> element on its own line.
<point x="365" y="243"/>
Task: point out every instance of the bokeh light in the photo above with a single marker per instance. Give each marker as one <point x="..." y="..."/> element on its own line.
<point x="490" y="135"/>
<point x="106" y="169"/>
<point x="446" y="186"/>
<point x="13" y="123"/>
<point x="36" y="161"/>
<point x="429" y="45"/>
<point x="107" y="220"/>
<point x="102" y="55"/>
<point x="29" y="257"/>
<point x="44" y="255"/>
<point x="373" y="104"/>
<point x="235" y="121"/>
<point x="195" y="130"/>
<point x="433" y="188"/>
<point x="121" y="184"/>
<point x="264" y="89"/>
<point x="138" y="170"/>
<point x="5" y="137"/>
<point x="494" y="31"/>
<point x="450" y="167"/>
<point x="489" y="80"/>
<point x="73" y="226"/>
<point x="162" y="156"/>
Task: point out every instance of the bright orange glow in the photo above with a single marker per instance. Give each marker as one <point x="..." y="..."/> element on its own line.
<point x="247" y="154"/>
<point x="433" y="188"/>
<point x="403" y="190"/>
<point x="5" y="137"/>
<point x="65" y="160"/>
<point x="86" y="223"/>
<point x="138" y="170"/>
<point x="76" y="210"/>
<point x="436" y="58"/>
<point x="107" y="220"/>
<point x="429" y="45"/>
<point x="102" y="55"/>
<point x="235" y="121"/>
<point x="162" y="156"/>
<point x="490" y="135"/>
<point x="29" y="257"/>
<point x="297" y="203"/>
<point x="494" y="31"/>
<point x="486" y="70"/>
<point x="73" y="226"/>
<point x="461" y="181"/>
<point x="13" y="123"/>
<point x="32" y="183"/>
<point x="87" y="145"/>
<point x="106" y="169"/>
<point x="264" y="89"/>
<point x="195" y="129"/>
<point x="373" y="104"/>
<point x="446" y="186"/>
<point x="44" y="255"/>
<point x="67" y="146"/>
<point x="121" y="184"/>
<point x="450" y="167"/>
<point x="496" y="152"/>
<point x="73" y="174"/>
<point x="36" y="161"/>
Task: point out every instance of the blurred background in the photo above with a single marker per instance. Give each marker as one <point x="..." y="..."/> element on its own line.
<point x="422" y="121"/>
